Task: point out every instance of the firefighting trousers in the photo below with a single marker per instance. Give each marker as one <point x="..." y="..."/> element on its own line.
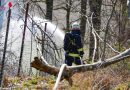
<point x="70" y="59"/>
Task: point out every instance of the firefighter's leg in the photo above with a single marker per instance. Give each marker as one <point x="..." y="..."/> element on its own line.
<point x="68" y="60"/>
<point x="77" y="61"/>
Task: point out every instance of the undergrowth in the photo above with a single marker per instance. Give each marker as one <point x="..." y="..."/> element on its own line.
<point x="114" y="77"/>
<point x="29" y="83"/>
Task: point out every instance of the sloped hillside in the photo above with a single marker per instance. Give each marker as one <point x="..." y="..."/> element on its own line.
<point x="114" y="77"/>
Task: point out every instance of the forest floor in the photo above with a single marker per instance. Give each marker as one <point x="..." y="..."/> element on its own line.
<point x="114" y="77"/>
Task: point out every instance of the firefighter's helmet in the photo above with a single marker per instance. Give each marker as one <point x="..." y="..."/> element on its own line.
<point x="76" y="26"/>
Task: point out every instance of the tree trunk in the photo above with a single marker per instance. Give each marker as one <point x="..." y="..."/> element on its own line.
<point x="129" y="9"/>
<point x="39" y="65"/>
<point x="49" y="9"/>
<point x="70" y="70"/>
<point x="83" y="18"/>
<point x="122" y="23"/>
<point x="68" y="8"/>
<point x="107" y="30"/>
<point x="95" y="8"/>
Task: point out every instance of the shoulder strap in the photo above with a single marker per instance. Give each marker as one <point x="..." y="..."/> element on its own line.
<point x="67" y="41"/>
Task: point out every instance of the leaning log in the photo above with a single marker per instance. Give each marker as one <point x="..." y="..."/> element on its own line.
<point x="39" y="65"/>
<point x="70" y="70"/>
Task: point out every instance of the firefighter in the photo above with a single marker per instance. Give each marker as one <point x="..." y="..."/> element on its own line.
<point x="73" y="46"/>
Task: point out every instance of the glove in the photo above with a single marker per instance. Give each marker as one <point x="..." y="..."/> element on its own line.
<point x="81" y="56"/>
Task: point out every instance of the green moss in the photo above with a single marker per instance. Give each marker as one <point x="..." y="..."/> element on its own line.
<point x="33" y="81"/>
<point x="26" y="84"/>
<point x="123" y="86"/>
<point x="15" y="80"/>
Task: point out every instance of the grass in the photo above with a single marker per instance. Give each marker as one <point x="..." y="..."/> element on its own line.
<point x="31" y="83"/>
<point x="15" y="80"/>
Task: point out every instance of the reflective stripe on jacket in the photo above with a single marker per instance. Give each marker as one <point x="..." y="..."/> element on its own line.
<point x="80" y="49"/>
<point x="74" y="55"/>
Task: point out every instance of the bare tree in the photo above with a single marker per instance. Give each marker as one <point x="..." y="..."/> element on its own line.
<point x="122" y="21"/>
<point x="107" y="29"/>
<point x="95" y="9"/>
<point x="83" y="18"/>
<point x="71" y="8"/>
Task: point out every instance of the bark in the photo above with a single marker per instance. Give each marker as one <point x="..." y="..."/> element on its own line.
<point x="71" y="70"/>
<point x="39" y="65"/>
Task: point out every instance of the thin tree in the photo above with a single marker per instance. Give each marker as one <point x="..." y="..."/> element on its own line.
<point x="49" y="16"/>
<point x="122" y="21"/>
<point x="129" y="9"/>
<point x="68" y="10"/>
<point x="83" y="18"/>
<point x="0" y="16"/>
<point x="30" y="70"/>
<point x="95" y="8"/>
<point x="43" y="38"/>
<point x="107" y="29"/>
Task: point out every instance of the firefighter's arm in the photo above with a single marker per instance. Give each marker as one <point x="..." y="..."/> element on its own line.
<point x="81" y="52"/>
<point x="66" y="41"/>
<point x="80" y="47"/>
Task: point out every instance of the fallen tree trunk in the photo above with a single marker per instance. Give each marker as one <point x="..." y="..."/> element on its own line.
<point x="70" y="70"/>
<point x="39" y="65"/>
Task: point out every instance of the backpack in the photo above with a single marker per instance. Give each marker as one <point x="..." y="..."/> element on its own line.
<point x="71" y="43"/>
